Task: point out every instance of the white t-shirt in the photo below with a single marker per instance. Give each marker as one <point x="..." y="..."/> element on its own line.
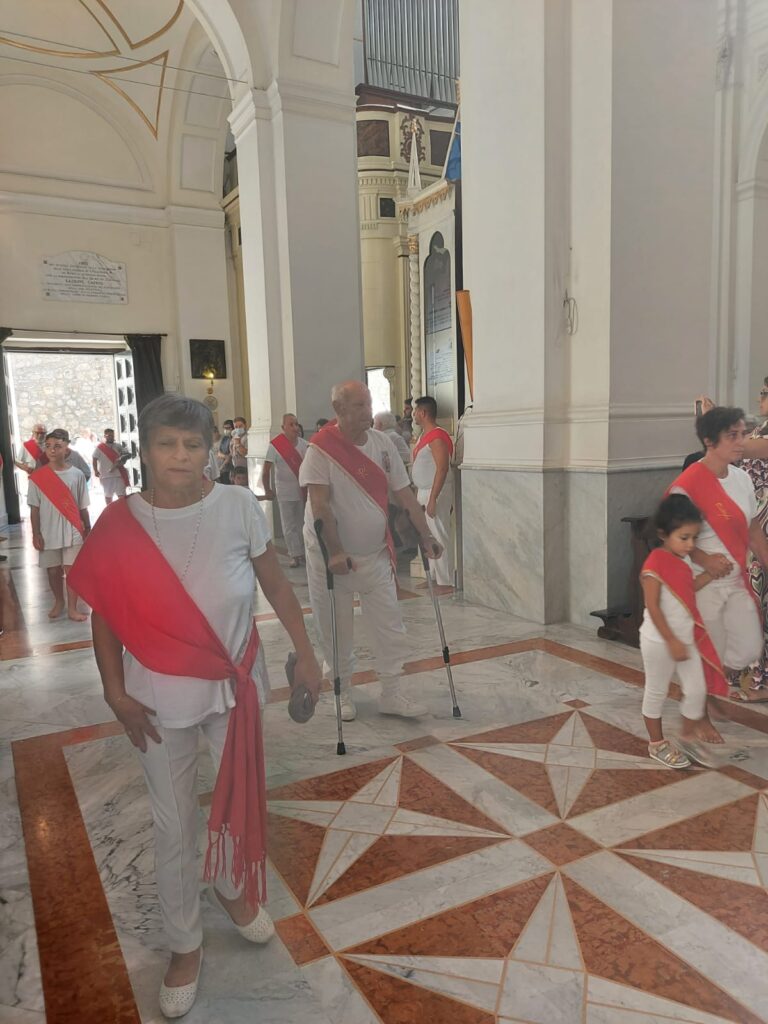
<point x="57" y="531"/>
<point x="741" y="490"/>
<point x="287" y="487"/>
<point x="674" y="611"/>
<point x="108" y="469"/>
<point x="362" y="528"/>
<point x="220" y="581"/>
<point x="26" y="458"/>
<point x="401" y="444"/>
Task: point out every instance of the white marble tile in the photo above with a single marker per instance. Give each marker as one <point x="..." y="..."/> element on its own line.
<point x="611" y="996"/>
<point x="542" y="995"/>
<point x="446" y="979"/>
<point x="623" y="821"/>
<point x="20" y="984"/>
<point x="337" y="994"/>
<point x="720" y="954"/>
<point x="359" y="917"/>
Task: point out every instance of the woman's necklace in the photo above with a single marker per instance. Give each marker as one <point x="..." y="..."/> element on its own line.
<point x="191" y="554"/>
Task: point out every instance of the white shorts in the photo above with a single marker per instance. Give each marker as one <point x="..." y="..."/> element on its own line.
<point x="113" y="486"/>
<point x="49" y="558"/>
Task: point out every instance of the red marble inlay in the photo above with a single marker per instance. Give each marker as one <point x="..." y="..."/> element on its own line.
<point x="83" y="972"/>
<point x="339" y="785"/>
<point x="527" y="777"/>
<point x="576" y="703"/>
<point x="398" y="1002"/>
<point x="614" y="948"/>
<point x="607" y="785"/>
<point x="540" y="730"/>
<point x="392" y="857"/>
<point x="486" y="927"/>
<point x="609" y="737"/>
<point x="420" y="791"/>
<point x="418" y="744"/>
<point x="739" y="906"/>
<point x="561" y="844"/>
<point x="301" y="939"/>
<point x="294" y="847"/>
<point x="728" y="828"/>
<point x="740" y="775"/>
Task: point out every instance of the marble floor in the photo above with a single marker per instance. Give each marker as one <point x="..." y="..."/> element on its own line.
<point x="525" y="864"/>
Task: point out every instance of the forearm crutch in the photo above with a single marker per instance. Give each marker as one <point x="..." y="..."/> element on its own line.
<point x="439" y="617"/>
<point x="340" y="748"/>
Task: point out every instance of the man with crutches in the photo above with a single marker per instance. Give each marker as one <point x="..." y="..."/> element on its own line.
<point x="348" y="471"/>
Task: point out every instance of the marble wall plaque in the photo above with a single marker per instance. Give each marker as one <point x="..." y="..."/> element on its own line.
<point x="84" y="277"/>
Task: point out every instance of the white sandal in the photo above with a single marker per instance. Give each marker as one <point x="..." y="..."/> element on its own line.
<point x="179" y="999"/>
<point x="260" y="929"/>
<point x="666" y="753"/>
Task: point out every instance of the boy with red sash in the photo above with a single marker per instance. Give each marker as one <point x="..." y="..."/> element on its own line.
<point x="349" y="471"/>
<point x="725" y="496"/>
<point x="58" y="505"/>
<point x="433" y="477"/>
<point x="285" y="454"/>
<point x="31" y="455"/>
<point x="170" y="575"/>
<point x="673" y="638"/>
<point x="108" y="466"/>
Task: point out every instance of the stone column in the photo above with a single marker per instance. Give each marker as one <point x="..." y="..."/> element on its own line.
<point x="414" y="292"/>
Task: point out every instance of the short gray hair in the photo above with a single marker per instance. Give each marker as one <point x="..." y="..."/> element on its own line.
<point x="175" y="411"/>
<point x="385" y="421"/>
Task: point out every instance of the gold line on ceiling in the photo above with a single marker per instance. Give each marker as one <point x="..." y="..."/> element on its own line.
<point x="147" y="39"/>
<point x="4" y="33"/>
<point x="77" y="52"/>
<point x="130" y="67"/>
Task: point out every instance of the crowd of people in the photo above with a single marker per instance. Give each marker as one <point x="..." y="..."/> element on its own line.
<point x="187" y="543"/>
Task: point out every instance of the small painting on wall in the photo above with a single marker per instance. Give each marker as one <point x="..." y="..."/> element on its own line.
<point x="208" y="359"/>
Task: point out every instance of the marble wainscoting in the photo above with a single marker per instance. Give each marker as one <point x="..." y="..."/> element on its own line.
<point x="514" y="536"/>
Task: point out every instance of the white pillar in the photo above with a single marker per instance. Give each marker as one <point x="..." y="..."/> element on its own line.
<point x="296" y="150"/>
<point x="414" y="296"/>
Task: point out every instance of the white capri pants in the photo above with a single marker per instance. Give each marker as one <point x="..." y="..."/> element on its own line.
<point x="113" y="486"/>
<point x="170" y="770"/>
<point x="381" y="619"/>
<point x="660" y="667"/>
<point x="292" y="519"/>
<point x="732" y="621"/>
<point x="441" y="531"/>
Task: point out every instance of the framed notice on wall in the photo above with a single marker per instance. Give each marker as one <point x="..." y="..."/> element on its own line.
<point x="78" y="276"/>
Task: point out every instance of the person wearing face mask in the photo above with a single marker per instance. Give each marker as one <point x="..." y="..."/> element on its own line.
<point x="223" y="453"/>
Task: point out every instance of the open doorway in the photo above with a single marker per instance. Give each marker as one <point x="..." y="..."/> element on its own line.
<point x="82" y="386"/>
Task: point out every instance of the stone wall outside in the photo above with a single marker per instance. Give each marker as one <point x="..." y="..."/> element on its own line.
<point x="76" y="392"/>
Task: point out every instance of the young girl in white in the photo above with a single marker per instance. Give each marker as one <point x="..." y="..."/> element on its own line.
<point x="673" y="639"/>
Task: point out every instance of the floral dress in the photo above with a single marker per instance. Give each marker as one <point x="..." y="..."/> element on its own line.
<point x="758" y="578"/>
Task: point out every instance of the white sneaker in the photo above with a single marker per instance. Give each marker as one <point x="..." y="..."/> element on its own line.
<point x="178" y="1000"/>
<point x="348" y="709"/>
<point x="398" y="704"/>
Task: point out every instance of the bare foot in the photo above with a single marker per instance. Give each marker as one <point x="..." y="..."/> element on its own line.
<point x="76" y="616"/>
<point x="182" y="970"/>
<point x="241" y="912"/>
<point x="56" y="611"/>
<point x="704" y="730"/>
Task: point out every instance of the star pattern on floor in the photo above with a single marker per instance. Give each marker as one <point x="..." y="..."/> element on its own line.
<point x="560" y="946"/>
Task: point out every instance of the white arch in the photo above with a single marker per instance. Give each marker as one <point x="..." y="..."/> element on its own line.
<point x="237" y="30"/>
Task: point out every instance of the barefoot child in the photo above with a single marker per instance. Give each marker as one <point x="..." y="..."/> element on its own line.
<point x="58" y="505"/>
<point x="673" y="638"/>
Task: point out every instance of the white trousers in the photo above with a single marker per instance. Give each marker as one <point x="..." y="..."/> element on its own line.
<point x="292" y="518"/>
<point x="380" y="616"/>
<point x="660" y="667"/>
<point x="441" y="531"/>
<point x="170" y="769"/>
<point x="733" y="623"/>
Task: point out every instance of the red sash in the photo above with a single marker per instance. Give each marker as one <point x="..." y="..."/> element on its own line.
<point x="721" y="513"/>
<point x="435" y="434"/>
<point x="676" y="575"/>
<point x="283" y="447"/>
<point x="134" y="594"/>
<point x="59" y="495"/>
<point x="361" y="470"/>
<point x="114" y="458"/>
<point x="36" y="451"/>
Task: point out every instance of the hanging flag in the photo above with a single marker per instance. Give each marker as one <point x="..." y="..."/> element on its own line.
<point x="453" y="164"/>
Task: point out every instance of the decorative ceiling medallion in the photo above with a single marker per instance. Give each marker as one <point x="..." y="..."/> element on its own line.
<point x="135" y="44"/>
<point x="161" y="61"/>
